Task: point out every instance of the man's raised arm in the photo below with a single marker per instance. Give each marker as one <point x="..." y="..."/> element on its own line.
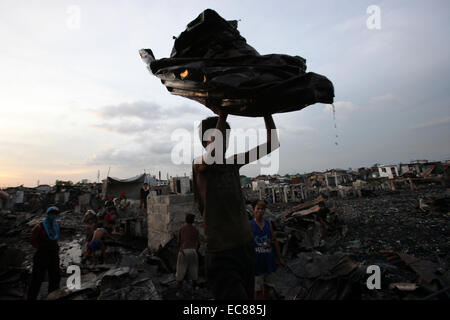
<point x="263" y="149"/>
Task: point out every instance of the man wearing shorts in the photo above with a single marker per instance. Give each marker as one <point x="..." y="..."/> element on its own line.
<point x="188" y="243"/>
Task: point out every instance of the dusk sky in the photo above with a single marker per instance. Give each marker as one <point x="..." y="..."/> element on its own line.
<point x="75" y="97"/>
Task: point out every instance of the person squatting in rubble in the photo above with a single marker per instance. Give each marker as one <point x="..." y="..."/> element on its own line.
<point x="111" y="224"/>
<point x="44" y="238"/>
<point x="90" y="219"/>
<point x="265" y="243"/>
<point x="97" y="243"/>
<point x="217" y="188"/>
<point x="188" y="240"/>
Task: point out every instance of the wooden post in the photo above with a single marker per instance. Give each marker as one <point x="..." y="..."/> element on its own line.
<point x="335" y="178"/>
<point x="328" y="186"/>
<point x="273" y="194"/>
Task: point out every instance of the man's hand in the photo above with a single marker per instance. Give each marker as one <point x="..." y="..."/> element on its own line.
<point x="270" y="125"/>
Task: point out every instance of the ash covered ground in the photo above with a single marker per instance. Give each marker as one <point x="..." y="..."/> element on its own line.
<point x="327" y="253"/>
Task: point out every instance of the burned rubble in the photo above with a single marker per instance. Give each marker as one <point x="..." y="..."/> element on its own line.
<point x="327" y="239"/>
<point x="388" y="229"/>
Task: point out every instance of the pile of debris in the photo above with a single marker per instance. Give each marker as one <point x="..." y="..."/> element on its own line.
<point x="308" y="226"/>
<point x="306" y="231"/>
<point x="131" y="279"/>
<point x="317" y="276"/>
<point x="438" y="204"/>
<point x="430" y="281"/>
<point x="13" y="276"/>
<point x="327" y="244"/>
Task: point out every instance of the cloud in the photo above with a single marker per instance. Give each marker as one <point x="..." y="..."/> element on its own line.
<point x="143" y="116"/>
<point x="144" y="110"/>
<point x="297" y="130"/>
<point x="386" y="98"/>
<point x="129" y="157"/>
<point x="129" y="127"/>
<point x="148" y="127"/>
<point x="433" y="123"/>
<point x="140" y="109"/>
<point x="341" y="106"/>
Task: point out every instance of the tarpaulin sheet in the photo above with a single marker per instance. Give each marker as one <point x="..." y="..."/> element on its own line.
<point x="132" y="187"/>
<point x="212" y="63"/>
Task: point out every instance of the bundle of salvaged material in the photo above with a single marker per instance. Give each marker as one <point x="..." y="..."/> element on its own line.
<point x="213" y="64"/>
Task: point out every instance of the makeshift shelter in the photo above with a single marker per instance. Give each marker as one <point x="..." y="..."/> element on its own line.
<point x="132" y="186"/>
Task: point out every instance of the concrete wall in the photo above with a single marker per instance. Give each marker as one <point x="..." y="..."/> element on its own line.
<point x="136" y="227"/>
<point x="166" y="213"/>
<point x="180" y="185"/>
<point x="84" y="201"/>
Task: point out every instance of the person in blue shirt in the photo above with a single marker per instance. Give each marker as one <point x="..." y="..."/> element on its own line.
<point x="265" y="243"/>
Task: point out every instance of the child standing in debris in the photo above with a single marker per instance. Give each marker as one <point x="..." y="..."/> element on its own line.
<point x="97" y="243"/>
<point x="188" y="243"/>
<point x="229" y="240"/>
<point x="264" y="243"/>
<point x="145" y="190"/>
<point x="44" y="238"/>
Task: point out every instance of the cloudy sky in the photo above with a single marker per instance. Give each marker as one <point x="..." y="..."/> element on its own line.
<point x="75" y="97"/>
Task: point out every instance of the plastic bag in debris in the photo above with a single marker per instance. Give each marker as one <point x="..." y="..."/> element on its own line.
<point x="213" y="64"/>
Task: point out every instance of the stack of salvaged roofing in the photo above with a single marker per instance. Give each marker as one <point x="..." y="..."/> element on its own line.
<point x="309" y="225"/>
